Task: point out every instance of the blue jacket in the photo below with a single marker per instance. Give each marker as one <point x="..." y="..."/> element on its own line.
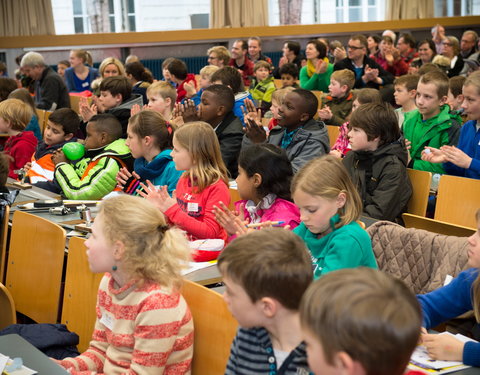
<point x="34" y="127"/>
<point x="469" y="143"/>
<point x="70" y="80"/>
<point x="449" y="302"/>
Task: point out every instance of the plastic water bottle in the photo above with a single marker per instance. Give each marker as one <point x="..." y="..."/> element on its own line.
<point x="435" y="181"/>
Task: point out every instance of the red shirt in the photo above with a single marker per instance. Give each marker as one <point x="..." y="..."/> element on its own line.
<point x="181" y="92"/>
<point x="246" y="68"/>
<point x="20" y="149"/>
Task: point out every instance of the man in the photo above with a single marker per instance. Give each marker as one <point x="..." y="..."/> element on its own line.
<point x="468" y="43"/>
<point x="406" y="47"/>
<point x="240" y="60"/>
<point x="255" y="50"/>
<point x="367" y="72"/>
<point x="50" y="90"/>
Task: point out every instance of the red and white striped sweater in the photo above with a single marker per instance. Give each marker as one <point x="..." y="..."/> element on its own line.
<point x="139" y="330"/>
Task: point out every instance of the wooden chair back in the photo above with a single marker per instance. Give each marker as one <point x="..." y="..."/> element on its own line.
<point x="278" y="83"/>
<point x="3" y="241"/>
<point x="432" y="225"/>
<point x="234" y="197"/>
<point x="35" y="264"/>
<point x="75" y="102"/>
<point x="7" y="308"/>
<point x="43" y="118"/>
<point x="215" y="329"/>
<point x="458" y="199"/>
<point x="420" y="180"/>
<point x="80" y="295"/>
<point x="319" y="95"/>
<point x="333" y="132"/>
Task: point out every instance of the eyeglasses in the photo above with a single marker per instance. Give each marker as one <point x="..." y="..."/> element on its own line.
<point x="447" y="44"/>
<point x="212" y="58"/>
<point x="354" y="48"/>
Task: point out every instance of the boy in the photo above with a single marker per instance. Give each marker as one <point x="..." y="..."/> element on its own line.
<point x="431" y="124"/>
<point x="405" y="92"/>
<point x="179" y="75"/>
<point x="455" y="98"/>
<point x="360" y="322"/>
<point x="20" y="145"/>
<point x="161" y="98"/>
<point x="263" y="291"/>
<point x="205" y="80"/>
<point x="216" y="109"/>
<point x="61" y="128"/>
<point x="116" y="98"/>
<point x="302" y="137"/>
<point x="377" y="163"/>
<point x="289" y="75"/>
<point x="337" y="106"/>
<point x="94" y="176"/>
<point x="262" y="85"/>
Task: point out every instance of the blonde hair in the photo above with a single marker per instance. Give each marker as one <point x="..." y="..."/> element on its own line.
<point x="473" y="80"/>
<point x="208" y="70"/>
<point x="223" y="54"/>
<point x="201" y="142"/>
<point x="114" y="61"/>
<point x="327" y="177"/>
<point x="279" y="95"/>
<point x="152" y="251"/>
<point x="16" y="112"/>
<point x="163" y="89"/>
<point x="84" y="55"/>
<point x="344" y="77"/>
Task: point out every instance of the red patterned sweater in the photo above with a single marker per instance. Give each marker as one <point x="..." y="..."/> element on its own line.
<point x="139" y="330"/>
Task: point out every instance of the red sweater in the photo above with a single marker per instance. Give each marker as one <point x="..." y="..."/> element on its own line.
<point x="20" y="149"/>
<point x="194" y="211"/>
<point x="181" y="92"/>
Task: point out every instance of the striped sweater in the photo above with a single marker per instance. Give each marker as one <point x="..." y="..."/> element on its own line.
<point x="139" y="330"/>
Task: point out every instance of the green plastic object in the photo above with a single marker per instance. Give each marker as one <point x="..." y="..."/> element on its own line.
<point x="73" y="150"/>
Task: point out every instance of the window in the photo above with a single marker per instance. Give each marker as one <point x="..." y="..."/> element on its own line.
<point x="80" y="17"/>
<point x="359" y="10"/>
<point x="121" y="14"/>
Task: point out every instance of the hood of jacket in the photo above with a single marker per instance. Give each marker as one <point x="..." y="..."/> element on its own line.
<point x="23" y="137"/>
<point x="134" y="99"/>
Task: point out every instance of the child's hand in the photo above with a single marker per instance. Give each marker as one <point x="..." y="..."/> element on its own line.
<point x="336" y="153"/>
<point x="254" y="130"/>
<point x="433" y="155"/>
<point x="123" y="175"/>
<point x="190" y="89"/>
<point x="325" y="113"/>
<point x="456" y="156"/>
<point x="158" y="197"/>
<point x="443" y="347"/>
<point x="87" y="111"/>
<point x="189" y="111"/>
<point x="321" y="66"/>
<point x="59" y="157"/>
<point x="135" y="109"/>
<point x="27" y="166"/>
<point x="229" y="220"/>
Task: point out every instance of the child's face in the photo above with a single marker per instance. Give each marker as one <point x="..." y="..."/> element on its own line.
<point x="94" y="139"/>
<point x="110" y="70"/>
<point x="261" y="74"/>
<point x="204" y="81"/>
<point x="359" y="140"/>
<point x="474" y="248"/>
<point x="99" y="251"/>
<point x="275" y="107"/>
<point x="471" y="102"/>
<point x="4" y="125"/>
<point x="75" y="60"/>
<point x="181" y="157"/>
<point x="427" y="100"/>
<point x="157" y="103"/>
<point x="134" y="143"/>
<point x="316" y="356"/>
<point x="54" y="134"/>
<point x="355" y="105"/>
<point x="61" y="69"/>
<point x="287" y="80"/>
<point x="245" y="185"/>
<point x="455" y="103"/>
<point x="166" y="74"/>
<point x="292" y="112"/>
<point x="316" y="211"/>
<point x="107" y="100"/>
<point x="336" y="89"/>
<point x="402" y="95"/>
<point x="208" y="109"/>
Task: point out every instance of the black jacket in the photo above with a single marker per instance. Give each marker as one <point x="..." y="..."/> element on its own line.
<point x="386" y="77"/>
<point x="230" y="133"/>
<point x="50" y="89"/>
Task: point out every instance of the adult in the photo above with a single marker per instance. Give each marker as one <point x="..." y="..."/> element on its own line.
<point x="426" y="53"/>
<point x="451" y="49"/>
<point x="110" y="67"/>
<point x="240" y="60"/>
<point x="255" y="50"/>
<point x="80" y="75"/>
<point x="388" y="57"/>
<point x="50" y="90"/>
<point x="391" y="34"/>
<point x="373" y="44"/>
<point x="367" y="72"/>
<point x="438" y="35"/>
<point x="218" y="56"/>
<point x="291" y="54"/>
<point x="468" y="43"/>
<point x="316" y="74"/>
<point x="406" y="47"/>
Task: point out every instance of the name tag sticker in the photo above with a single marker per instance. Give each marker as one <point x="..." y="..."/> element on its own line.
<point x="85" y="84"/>
<point x="192" y="207"/>
<point x="107" y="320"/>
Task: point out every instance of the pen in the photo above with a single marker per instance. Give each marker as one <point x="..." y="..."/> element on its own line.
<point x="273" y="223"/>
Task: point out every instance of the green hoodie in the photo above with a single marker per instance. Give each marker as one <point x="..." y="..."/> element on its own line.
<point x="437" y="131"/>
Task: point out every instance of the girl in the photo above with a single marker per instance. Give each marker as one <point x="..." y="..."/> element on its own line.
<point x="464" y="159"/>
<point x="388" y="57"/>
<point x="25" y="96"/>
<point x="140" y="78"/>
<point x="80" y="75"/>
<point x="204" y="183"/>
<point x="149" y="138"/>
<point x="450" y="301"/>
<point x="61" y="67"/>
<point x="143" y="323"/>
<point x="329" y="207"/>
<point x="316" y="74"/>
<point x="263" y="182"/>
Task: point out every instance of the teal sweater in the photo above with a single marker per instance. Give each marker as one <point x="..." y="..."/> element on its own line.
<point x="346" y="247"/>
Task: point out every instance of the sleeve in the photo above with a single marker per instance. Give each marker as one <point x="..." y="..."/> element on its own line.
<point x="344" y="252"/>
<point x="316" y="81"/>
<point x="471" y="354"/>
<point x="69" y="82"/>
<point x="387" y="78"/>
<point x="268" y="94"/>
<point x="99" y="181"/>
<point x="50" y="91"/>
<point x="230" y="146"/>
<point x="312" y="149"/>
<point x="448" y="301"/>
<point x="336" y="120"/>
<point x="232" y="360"/>
<point x="204" y="226"/>
<point x="22" y="154"/>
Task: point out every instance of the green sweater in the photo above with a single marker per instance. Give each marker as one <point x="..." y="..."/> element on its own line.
<point x="435" y="132"/>
<point x="316" y="81"/>
<point x="346" y="247"/>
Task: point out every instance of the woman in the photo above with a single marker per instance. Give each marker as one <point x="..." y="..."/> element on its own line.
<point x="110" y="67"/>
<point x="316" y="74"/>
<point x="373" y="44"/>
<point x="426" y="53"/>
<point x="451" y="49"/>
<point x="80" y="75"/>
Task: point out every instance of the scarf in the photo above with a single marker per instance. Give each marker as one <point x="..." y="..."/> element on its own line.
<point x="256" y="211"/>
<point x="149" y="171"/>
<point x="311" y="68"/>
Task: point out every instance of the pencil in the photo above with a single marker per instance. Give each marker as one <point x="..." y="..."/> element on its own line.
<point x="273" y="223"/>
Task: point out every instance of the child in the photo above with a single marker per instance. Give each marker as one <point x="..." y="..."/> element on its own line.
<point x="116" y="98"/>
<point x="289" y="75"/>
<point x="179" y="75"/>
<point x="278" y="97"/>
<point x="378" y="161"/>
<point x="204" y="183"/>
<point x="6" y="197"/>
<point x="205" y="80"/>
<point x="405" y="93"/>
<point x="337" y="106"/>
<point x="456" y="98"/>
<point x="33" y="125"/>
<point x="431" y="124"/>
<point x="458" y="297"/>
<point x="360" y="321"/>
<point x="94" y="176"/>
<point x="329" y="208"/>
<point x="140" y="78"/>
<point x="61" y="127"/>
<point x="143" y="323"/>
<point x="265" y="274"/>
<point x="149" y="138"/>
<point x="161" y="98"/>
<point x="302" y="137"/>
<point x="216" y="109"/>
<point x="61" y="67"/>
<point x="20" y="145"/>
<point x="263" y="183"/>
<point x="463" y="160"/>
<point x="262" y="86"/>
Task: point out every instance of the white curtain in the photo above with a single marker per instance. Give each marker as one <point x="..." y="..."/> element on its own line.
<point x="26" y="17"/>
